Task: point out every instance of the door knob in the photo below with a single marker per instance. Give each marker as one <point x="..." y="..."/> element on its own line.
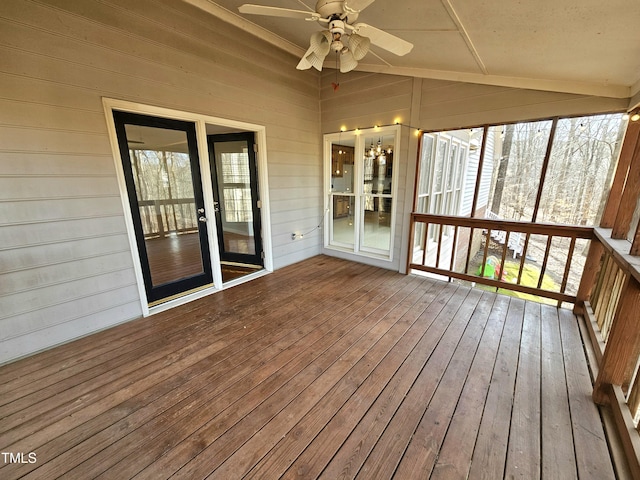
<point x="202" y="218"/>
<point x="201" y="210"/>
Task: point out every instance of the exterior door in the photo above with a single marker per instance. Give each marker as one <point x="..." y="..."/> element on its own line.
<point x="235" y="184"/>
<point x="162" y="172"/>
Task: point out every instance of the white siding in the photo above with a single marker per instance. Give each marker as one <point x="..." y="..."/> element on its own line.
<point x="65" y="264"/>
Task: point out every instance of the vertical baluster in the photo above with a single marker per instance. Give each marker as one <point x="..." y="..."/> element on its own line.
<point x="503" y="259"/>
<point x="486" y="251"/>
<point x="567" y="268"/>
<point x="440" y="228"/>
<point x="425" y="242"/>
<point x="454" y="248"/>
<point x="546" y="259"/>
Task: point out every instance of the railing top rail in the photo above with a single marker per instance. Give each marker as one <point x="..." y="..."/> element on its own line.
<point x="619" y="250"/>
<point x="511" y="225"/>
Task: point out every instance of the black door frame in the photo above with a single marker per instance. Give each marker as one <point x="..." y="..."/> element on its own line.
<point x="258" y="257"/>
<point x="166" y="290"/>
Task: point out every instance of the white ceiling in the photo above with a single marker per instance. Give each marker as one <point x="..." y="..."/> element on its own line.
<point x="576" y="46"/>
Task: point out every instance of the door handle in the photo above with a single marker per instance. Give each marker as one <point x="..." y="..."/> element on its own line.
<point x="216" y="206"/>
<point x="202" y="218"/>
<point x="201" y="210"/>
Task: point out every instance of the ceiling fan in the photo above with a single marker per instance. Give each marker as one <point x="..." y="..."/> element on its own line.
<point x="350" y="41"/>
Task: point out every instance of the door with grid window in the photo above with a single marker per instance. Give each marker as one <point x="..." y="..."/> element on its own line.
<point x="235" y="188"/>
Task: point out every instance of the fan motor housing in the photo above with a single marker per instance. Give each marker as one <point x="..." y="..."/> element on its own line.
<point x="330" y="8"/>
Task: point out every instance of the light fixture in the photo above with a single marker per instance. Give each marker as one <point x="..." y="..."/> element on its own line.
<point x="636" y="116"/>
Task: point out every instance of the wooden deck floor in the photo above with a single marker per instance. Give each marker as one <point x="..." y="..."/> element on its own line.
<point x="325" y="369"/>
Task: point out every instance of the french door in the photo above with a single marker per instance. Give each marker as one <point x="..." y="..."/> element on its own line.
<point x="235" y="188"/>
<point x="162" y="173"/>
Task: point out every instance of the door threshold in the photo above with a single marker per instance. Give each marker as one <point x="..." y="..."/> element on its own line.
<point x="181" y="298"/>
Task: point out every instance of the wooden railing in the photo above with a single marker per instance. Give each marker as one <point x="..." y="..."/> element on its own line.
<point x="168" y="215"/>
<point x="447" y="245"/>
<point x="609" y="298"/>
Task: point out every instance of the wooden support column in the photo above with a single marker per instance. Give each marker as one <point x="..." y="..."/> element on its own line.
<point x="589" y="275"/>
<point x="635" y="244"/>
<point x="623" y="345"/>
<point x="629" y="198"/>
<point x="617" y="187"/>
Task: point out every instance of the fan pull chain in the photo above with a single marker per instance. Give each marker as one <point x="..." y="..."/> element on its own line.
<point x="335" y="84"/>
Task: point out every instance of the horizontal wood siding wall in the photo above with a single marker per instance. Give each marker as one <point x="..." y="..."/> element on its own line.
<point x="65" y="262"/>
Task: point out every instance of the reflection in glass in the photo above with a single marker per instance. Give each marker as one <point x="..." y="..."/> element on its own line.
<point x="234" y="186"/>
<point x="342" y="168"/>
<point x="376" y="232"/>
<point x="161" y="169"/>
<point x="343" y="227"/>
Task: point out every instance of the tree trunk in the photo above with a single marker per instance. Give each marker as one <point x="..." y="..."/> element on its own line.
<point x="502" y="169"/>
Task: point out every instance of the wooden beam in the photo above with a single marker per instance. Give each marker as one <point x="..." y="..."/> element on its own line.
<point x="589" y="275"/>
<point x="623" y="345"/>
<point x="629" y="198"/>
<point x="617" y="187"/>
<point x="476" y="191"/>
<point x="635" y="244"/>
<point x="545" y="167"/>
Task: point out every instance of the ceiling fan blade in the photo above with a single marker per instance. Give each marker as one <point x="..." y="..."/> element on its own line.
<point x="383" y="39"/>
<point x="356" y="5"/>
<point x="277" y="12"/>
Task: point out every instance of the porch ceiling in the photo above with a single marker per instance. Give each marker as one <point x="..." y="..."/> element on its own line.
<point x="587" y="46"/>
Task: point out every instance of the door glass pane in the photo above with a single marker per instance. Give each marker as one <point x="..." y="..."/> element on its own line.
<point x="378" y="165"/>
<point x="235" y="203"/>
<point x="161" y="169"/>
<point x="376" y="232"/>
<point x="342" y="155"/>
<point x="343" y="227"/>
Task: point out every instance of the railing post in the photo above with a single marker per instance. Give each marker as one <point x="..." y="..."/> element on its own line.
<point x="623" y="345"/>
<point x="589" y="275"/>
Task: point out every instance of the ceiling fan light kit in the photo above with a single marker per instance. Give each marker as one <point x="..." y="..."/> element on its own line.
<point x="350" y="41"/>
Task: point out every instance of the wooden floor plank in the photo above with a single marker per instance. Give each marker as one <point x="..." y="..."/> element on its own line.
<point x="424" y="447"/>
<point x="348" y="404"/>
<point x="383" y="459"/>
<point x="592" y="455"/>
<point x="242" y="365"/>
<point x="524" y="454"/>
<point x="348" y="461"/>
<point x="190" y="438"/>
<point x="455" y="455"/>
<point x="143" y="373"/>
<point x="367" y="410"/>
<point x="490" y="452"/>
<point x="558" y="457"/>
<point x="136" y="335"/>
<point x="325" y="369"/>
<point x="335" y="360"/>
<point x="356" y="364"/>
<point x="207" y="365"/>
<point x="29" y="369"/>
